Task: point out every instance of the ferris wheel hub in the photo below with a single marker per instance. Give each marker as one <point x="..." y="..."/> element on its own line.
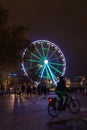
<point x="46" y="61"/>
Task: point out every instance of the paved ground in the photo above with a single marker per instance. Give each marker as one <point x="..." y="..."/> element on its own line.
<point x="31" y="114"/>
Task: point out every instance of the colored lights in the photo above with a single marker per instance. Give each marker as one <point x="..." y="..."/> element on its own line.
<point x="47" y="57"/>
<point x="46" y="61"/>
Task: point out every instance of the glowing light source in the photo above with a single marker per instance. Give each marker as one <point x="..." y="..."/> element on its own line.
<point x="46" y="61"/>
<point x="49" y="59"/>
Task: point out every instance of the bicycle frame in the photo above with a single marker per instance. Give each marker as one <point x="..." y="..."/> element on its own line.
<point x="73" y="106"/>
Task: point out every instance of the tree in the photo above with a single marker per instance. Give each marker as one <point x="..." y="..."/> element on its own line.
<point x="35" y="73"/>
<point x="13" y="41"/>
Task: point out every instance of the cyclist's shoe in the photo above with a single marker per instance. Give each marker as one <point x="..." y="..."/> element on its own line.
<point x="59" y="108"/>
<point x="64" y="108"/>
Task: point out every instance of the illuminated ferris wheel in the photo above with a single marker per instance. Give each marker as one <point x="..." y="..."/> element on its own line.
<point x="47" y="57"/>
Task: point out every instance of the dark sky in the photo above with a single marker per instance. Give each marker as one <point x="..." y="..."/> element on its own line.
<point x="63" y="22"/>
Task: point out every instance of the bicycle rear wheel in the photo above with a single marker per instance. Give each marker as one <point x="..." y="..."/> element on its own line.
<point x="74" y="106"/>
<point x="53" y="109"/>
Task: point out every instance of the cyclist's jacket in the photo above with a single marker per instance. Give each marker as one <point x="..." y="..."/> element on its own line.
<point x="61" y="86"/>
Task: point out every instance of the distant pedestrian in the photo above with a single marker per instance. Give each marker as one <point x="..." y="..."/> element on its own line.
<point x="18" y="90"/>
<point x="8" y="90"/>
<point x="44" y="90"/>
<point x="23" y="89"/>
<point x="28" y="90"/>
<point x="83" y="84"/>
<point x="2" y="90"/>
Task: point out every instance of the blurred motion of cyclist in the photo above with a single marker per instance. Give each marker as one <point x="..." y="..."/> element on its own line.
<point x="62" y="93"/>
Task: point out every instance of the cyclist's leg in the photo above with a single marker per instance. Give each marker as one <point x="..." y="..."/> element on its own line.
<point x="66" y="95"/>
<point x="60" y="95"/>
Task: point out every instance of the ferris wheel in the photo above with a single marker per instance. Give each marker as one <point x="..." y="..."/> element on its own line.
<point x="49" y="59"/>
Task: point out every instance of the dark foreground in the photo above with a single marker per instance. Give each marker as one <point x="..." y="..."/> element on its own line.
<point x="31" y="114"/>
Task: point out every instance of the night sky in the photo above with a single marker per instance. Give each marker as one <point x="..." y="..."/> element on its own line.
<point x="63" y="22"/>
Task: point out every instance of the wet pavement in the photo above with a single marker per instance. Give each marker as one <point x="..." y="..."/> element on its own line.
<point x="31" y="114"/>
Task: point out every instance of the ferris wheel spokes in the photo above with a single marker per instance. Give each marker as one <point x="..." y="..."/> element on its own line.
<point x="42" y="50"/>
<point x="38" y="52"/>
<point x="56" y="58"/>
<point x="33" y="60"/>
<point x="52" y="75"/>
<point x="56" y="69"/>
<point x="53" y="63"/>
<point x="52" y="54"/>
<point x="49" y="59"/>
<point x="43" y="70"/>
<point x="36" y="56"/>
<point x="48" y="50"/>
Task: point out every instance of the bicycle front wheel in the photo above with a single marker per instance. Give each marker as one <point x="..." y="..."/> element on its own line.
<point x="53" y="109"/>
<point x="74" y="106"/>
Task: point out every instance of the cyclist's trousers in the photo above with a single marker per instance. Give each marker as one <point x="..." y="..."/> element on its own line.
<point x="61" y="95"/>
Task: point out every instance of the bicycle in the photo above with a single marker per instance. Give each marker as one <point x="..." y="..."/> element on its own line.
<point x="73" y="105"/>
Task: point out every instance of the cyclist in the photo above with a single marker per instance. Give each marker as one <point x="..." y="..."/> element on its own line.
<point x="62" y="92"/>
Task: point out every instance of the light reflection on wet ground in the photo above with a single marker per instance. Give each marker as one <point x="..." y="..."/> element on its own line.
<point x="16" y="113"/>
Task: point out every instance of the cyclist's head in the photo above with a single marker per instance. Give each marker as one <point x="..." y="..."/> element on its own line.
<point x="61" y="78"/>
